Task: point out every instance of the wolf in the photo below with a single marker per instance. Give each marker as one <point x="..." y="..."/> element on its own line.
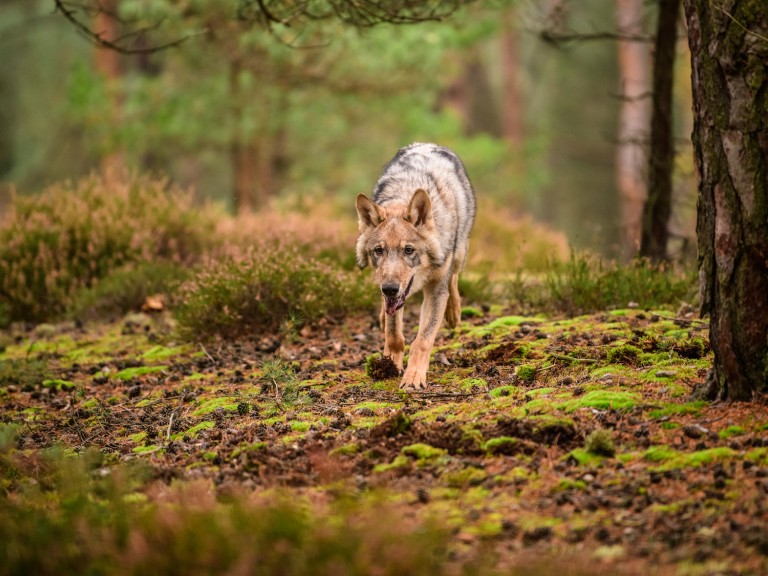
<point x="414" y="233"/>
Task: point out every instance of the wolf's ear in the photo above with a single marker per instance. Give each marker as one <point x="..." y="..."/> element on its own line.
<point x="420" y="209"/>
<point x="368" y="214"/>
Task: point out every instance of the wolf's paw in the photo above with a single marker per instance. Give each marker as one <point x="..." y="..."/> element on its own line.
<point x="414" y="380"/>
<point x="452" y="316"/>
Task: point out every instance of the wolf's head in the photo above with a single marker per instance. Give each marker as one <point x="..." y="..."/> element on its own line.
<point x="399" y="242"/>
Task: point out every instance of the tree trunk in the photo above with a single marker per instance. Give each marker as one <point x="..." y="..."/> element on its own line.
<point x="107" y="64"/>
<point x="511" y="100"/>
<point x="729" y="59"/>
<point x="633" y="124"/>
<point x="658" y="206"/>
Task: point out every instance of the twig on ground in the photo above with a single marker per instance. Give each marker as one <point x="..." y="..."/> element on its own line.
<point x="445" y="394"/>
<point x="572" y="358"/>
<point x="208" y="355"/>
<point x="170" y="424"/>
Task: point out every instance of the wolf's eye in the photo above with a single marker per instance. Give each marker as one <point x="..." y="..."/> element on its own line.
<point x="409" y="250"/>
<point x="378" y="250"/>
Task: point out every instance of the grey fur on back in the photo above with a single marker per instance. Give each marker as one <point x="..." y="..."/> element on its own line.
<point x="438" y="171"/>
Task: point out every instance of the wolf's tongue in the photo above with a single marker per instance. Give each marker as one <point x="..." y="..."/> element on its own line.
<point x="392" y="305"/>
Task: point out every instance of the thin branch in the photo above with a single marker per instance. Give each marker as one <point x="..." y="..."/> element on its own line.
<point x="170" y="425"/>
<point x="558" y="38"/>
<point x="97" y="39"/>
<point x="572" y="358"/>
<point x="740" y="25"/>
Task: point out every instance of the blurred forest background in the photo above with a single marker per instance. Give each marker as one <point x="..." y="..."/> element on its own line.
<point x="550" y="123"/>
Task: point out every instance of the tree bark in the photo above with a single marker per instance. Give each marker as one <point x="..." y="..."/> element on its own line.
<point x="658" y="206"/>
<point x="729" y="58"/>
<point x="107" y="64"/>
<point x="633" y="124"/>
<point x="251" y="153"/>
<point x="511" y="100"/>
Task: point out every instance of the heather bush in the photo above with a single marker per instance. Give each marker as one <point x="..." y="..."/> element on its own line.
<point x="127" y="289"/>
<point x="63" y="515"/>
<point x="315" y="228"/>
<point x="63" y="240"/>
<point x="257" y="293"/>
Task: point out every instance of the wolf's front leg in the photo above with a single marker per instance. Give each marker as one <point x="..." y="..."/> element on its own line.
<point x="394" y="341"/>
<point x="432" y="312"/>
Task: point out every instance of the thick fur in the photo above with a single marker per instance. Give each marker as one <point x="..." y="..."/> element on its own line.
<point x="415" y="236"/>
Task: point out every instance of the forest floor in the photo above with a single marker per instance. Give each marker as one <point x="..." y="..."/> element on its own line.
<point x="567" y="439"/>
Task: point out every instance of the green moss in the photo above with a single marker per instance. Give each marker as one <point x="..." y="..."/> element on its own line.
<point x="162" y="352"/>
<point x="498" y="325"/>
<point x="671" y="459"/>
<point x="707" y="456"/>
<point x="537" y="392"/>
<point x="400" y="461"/>
<point x="373" y="405"/>
<point x="673" y="409"/>
<point x="64" y="385"/>
<point x="500" y="445"/>
<point x="659" y="454"/>
<point x="470" y="383"/>
<point x="345" y="450"/>
<point x="228" y="403"/>
<point x="600" y="443"/>
<point x="192" y="432"/>
<point x="471" y="312"/>
<point x="138" y="437"/>
<point x="423" y="451"/>
<point x="129" y="373"/>
<point x="145" y="449"/>
<point x="613" y="370"/>
<point x="526" y="373"/>
<point x="301" y="426"/>
<point x="603" y="400"/>
<point x="570" y="484"/>
<point x="469" y="476"/>
<point x="758" y="456"/>
<point x="503" y="391"/>
<point x="625" y="354"/>
<point x="731" y="431"/>
<point x="487" y="526"/>
<point x="584" y="458"/>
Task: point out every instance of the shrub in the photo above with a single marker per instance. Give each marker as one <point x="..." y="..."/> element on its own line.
<point x="315" y="227"/>
<point x="88" y="522"/>
<point x="504" y="242"/>
<point x="127" y="289"/>
<point x="586" y="283"/>
<point x="63" y="240"/>
<point x="258" y="293"/>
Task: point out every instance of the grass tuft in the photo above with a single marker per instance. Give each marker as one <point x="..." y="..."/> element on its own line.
<point x="586" y="283"/>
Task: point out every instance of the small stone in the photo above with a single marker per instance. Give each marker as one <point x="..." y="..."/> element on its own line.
<point x="695" y="431"/>
<point x="665" y="373"/>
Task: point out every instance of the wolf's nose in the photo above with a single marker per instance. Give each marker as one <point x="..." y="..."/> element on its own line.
<point x="390" y="290"/>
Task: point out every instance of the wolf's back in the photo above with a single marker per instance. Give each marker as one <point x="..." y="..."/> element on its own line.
<point x="440" y="172"/>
